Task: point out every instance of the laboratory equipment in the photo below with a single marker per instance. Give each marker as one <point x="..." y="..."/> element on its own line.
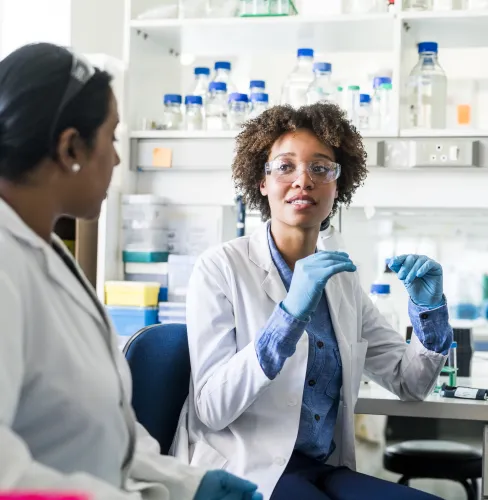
<point x="257" y="86"/>
<point x="217" y="106"/>
<point x="200" y="85"/>
<point x="172" y="116"/>
<point x="352" y="103"/>
<point x="295" y="88"/>
<point x="340" y="97"/>
<point x="238" y="110"/>
<point x="194" y="112"/>
<point x="381" y="298"/>
<point x="427" y="89"/>
<point x="131" y="293"/>
<point x="259" y="103"/>
<point x="417" y="4"/>
<point x="223" y="74"/>
<point x="250" y="8"/>
<point x="254" y="7"/>
<point x="477" y="4"/>
<point x="452" y="361"/>
<point x="386" y="106"/>
<point x="376" y="101"/>
<point x="321" y="89"/>
<point x="364" y="111"/>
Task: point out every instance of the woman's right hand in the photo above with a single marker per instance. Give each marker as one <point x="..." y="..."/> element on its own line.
<point x="220" y="485"/>
<point x="309" y="279"/>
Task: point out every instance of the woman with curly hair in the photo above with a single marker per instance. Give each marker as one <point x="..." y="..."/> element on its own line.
<point x="280" y="330"/>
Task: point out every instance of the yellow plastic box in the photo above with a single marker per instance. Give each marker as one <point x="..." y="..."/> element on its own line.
<point x="131" y="293"/>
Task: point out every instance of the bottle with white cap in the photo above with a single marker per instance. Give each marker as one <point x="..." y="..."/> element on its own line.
<point x="295" y="89"/>
<point x="223" y="74"/>
<point x="381" y="298"/>
<point x="321" y="89"/>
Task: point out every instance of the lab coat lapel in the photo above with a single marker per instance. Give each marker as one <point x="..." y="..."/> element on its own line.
<point x="260" y="255"/>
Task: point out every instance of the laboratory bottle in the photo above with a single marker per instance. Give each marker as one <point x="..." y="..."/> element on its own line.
<point x="238" y="110"/>
<point x="321" y="89"/>
<point x="427" y="90"/>
<point x="296" y="85"/>
<point x="339" y="97"/>
<point x="364" y="111"/>
<point x="452" y="362"/>
<point x="172" y="116"/>
<point x="257" y="87"/>
<point x="223" y="74"/>
<point x="386" y="106"/>
<point x="381" y="298"/>
<point x="477" y="4"/>
<point x="259" y="103"/>
<point x="375" y="121"/>
<point x="352" y="103"/>
<point x="194" y="112"/>
<point x="417" y="4"/>
<point x="217" y="106"/>
<point x="200" y="85"/>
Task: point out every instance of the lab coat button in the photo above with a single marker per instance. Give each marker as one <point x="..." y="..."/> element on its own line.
<point x="280" y="461"/>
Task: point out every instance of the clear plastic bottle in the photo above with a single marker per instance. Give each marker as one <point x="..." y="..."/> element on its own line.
<point x="238" y="110"/>
<point x="194" y="112"/>
<point x="386" y="106"/>
<point x="417" y="4"/>
<point x="223" y="74"/>
<point x="339" y="97"/>
<point x="321" y="89"/>
<point x="364" y="111"/>
<point x="477" y="4"/>
<point x="217" y="107"/>
<point x="200" y="85"/>
<point x="381" y="298"/>
<point x="172" y="116"/>
<point x="257" y="87"/>
<point x="352" y="103"/>
<point x="296" y="85"/>
<point x="427" y="90"/>
<point x="376" y="101"/>
<point x="259" y="103"/>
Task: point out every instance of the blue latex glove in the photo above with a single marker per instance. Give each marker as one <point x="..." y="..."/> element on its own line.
<point x="422" y="278"/>
<point x="220" y="485"/>
<point x="309" y="279"/>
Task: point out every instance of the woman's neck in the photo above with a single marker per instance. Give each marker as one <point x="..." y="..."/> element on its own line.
<point x="294" y="243"/>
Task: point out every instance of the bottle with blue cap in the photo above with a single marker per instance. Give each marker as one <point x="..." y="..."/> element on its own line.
<point x="381" y="298"/>
<point x="364" y="111"/>
<point x="201" y="82"/>
<point x="427" y="90"/>
<point x="376" y="107"/>
<point x="257" y="87"/>
<point x="193" y="112"/>
<point x="223" y="73"/>
<point x="259" y="103"/>
<point x="296" y="85"/>
<point x="238" y="110"/>
<point x="172" y="115"/>
<point x="321" y="89"/>
<point x="217" y="107"/>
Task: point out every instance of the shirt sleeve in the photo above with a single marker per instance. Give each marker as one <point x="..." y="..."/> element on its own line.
<point x="432" y="327"/>
<point x="278" y="340"/>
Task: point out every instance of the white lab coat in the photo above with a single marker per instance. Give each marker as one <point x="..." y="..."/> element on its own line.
<point x="237" y="419"/>
<point x="65" y="418"/>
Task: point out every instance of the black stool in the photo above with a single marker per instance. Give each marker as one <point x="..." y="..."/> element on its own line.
<point x="436" y="460"/>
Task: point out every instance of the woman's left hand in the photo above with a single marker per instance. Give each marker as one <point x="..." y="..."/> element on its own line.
<point x="422" y="278"/>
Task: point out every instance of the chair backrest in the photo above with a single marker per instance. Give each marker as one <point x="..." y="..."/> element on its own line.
<point x="159" y="360"/>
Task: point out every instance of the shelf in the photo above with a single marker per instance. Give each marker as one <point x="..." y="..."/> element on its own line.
<point x="451" y="29"/>
<point x="434" y="133"/>
<point x="182" y="134"/>
<point x="371" y="32"/>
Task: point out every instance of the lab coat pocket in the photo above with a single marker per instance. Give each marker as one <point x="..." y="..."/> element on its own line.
<point x="358" y="358"/>
<point x="205" y="456"/>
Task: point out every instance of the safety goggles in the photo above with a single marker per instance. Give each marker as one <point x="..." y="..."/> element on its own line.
<point x="81" y="72"/>
<point x="287" y="172"/>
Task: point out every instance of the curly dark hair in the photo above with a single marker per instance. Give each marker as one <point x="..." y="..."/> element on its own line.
<point x="326" y="120"/>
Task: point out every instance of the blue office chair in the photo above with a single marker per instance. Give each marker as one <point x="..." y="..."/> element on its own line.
<point x="159" y="360"/>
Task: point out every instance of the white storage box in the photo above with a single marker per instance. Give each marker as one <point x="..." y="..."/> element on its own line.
<point x="144" y="211"/>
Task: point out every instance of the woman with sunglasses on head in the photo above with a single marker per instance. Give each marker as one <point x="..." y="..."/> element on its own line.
<point x="65" y="416"/>
<point x="280" y="330"/>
